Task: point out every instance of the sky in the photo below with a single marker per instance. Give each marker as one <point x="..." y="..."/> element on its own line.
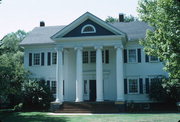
<point x="26" y="14"/>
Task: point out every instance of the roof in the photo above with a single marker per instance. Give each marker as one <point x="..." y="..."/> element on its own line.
<point x="135" y="30"/>
<point x="42" y="35"/>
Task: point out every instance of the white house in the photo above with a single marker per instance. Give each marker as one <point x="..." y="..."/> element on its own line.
<point x="91" y="60"/>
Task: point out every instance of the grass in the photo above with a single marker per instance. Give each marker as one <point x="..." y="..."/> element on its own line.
<point x="44" y="117"/>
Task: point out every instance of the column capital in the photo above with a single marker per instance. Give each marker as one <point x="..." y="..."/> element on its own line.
<point x="118" y="46"/>
<point x="98" y="47"/>
<point x="78" y="48"/>
<point x="59" y="48"/>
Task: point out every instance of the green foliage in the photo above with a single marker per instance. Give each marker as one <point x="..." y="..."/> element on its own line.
<point x="12" y="72"/>
<point x="36" y="95"/>
<point x="164" y="40"/>
<point x="18" y="107"/>
<point x="129" y="18"/>
<point x="157" y="91"/>
<point x="165" y="90"/>
<point x="10" y="43"/>
<point x="111" y="19"/>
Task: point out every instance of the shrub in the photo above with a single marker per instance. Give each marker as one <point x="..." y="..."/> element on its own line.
<point x="157" y="91"/>
<point x="36" y="95"/>
<point x="165" y="90"/>
<point x="18" y="107"/>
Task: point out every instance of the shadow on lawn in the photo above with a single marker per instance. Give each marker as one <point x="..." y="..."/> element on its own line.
<point x="19" y="117"/>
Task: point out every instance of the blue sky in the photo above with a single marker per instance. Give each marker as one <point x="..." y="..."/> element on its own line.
<point x="26" y="14"/>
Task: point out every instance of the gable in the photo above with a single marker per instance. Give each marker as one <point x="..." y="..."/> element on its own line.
<point x="100" y="31"/>
<point x="74" y="28"/>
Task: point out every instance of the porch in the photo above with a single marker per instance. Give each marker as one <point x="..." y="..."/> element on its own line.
<point x="88" y="80"/>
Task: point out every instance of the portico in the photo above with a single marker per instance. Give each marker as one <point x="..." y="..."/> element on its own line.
<point x="99" y="69"/>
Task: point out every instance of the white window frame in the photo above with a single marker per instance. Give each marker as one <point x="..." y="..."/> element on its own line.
<point x="104" y="56"/>
<point x="86" y="57"/>
<point x="34" y="59"/>
<point x="150" y="60"/>
<point x="90" y="56"/>
<point x="128" y="55"/>
<point x="137" y="85"/>
<point x="86" y="87"/>
<point x="51" y="85"/>
<point x="88" y="25"/>
<point x="53" y="58"/>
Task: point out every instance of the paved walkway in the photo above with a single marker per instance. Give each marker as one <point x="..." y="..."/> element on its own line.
<point x="82" y="113"/>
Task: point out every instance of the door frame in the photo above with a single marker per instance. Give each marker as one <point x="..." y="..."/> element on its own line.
<point x="86" y="89"/>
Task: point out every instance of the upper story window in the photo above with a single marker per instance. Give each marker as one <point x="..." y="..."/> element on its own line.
<point x="90" y="56"/>
<point x="93" y="56"/>
<point x="132" y="55"/>
<point x="88" y="29"/>
<point x="54" y="57"/>
<point x="36" y="58"/>
<point x="85" y="57"/>
<point x="153" y="58"/>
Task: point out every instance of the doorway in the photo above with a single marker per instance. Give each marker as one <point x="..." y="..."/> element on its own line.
<point x="92" y="90"/>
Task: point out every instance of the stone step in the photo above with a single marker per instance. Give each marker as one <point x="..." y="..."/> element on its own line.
<point x="88" y="107"/>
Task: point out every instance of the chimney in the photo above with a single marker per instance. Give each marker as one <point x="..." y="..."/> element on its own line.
<point x="42" y="23"/>
<point x="121" y="17"/>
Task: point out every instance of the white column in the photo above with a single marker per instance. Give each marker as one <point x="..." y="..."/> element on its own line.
<point x="99" y="74"/>
<point x="79" y="75"/>
<point x="59" y="75"/>
<point x="119" y="73"/>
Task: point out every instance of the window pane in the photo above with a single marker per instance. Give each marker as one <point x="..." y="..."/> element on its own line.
<point x="132" y="55"/>
<point x="88" y="29"/>
<point x="85" y="86"/>
<point x="36" y="58"/>
<point x="107" y="56"/>
<point x="54" y="58"/>
<point x="85" y="56"/>
<point x="153" y="58"/>
<point x="103" y="56"/>
<point x="93" y="56"/>
<point x="53" y="87"/>
<point x="133" y="86"/>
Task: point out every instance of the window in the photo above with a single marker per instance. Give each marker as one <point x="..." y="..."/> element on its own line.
<point x="54" y="58"/>
<point x="53" y="87"/>
<point x="36" y="58"/>
<point x="105" y="56"/>
<point x="88" y="29"/>
<point x="133" y="86"/>
<point x="93" y="56"/>
<point x="132" y="55"/>
<point x="85" y="57"/>
<point x="153" y="58"/>
<point x="85" y="87"/>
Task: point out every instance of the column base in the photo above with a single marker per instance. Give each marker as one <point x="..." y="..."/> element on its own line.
<point x="56" y="101"/>
<point x="54" y="106"/>
<point x="120" y="100"/>
<point x="99" y="100"/>
<point x="78" y="100"/>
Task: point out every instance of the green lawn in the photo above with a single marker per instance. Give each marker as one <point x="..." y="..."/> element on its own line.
<point x="43" y="117"/>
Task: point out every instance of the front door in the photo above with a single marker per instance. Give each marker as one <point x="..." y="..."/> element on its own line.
<point x="92" y="89"/>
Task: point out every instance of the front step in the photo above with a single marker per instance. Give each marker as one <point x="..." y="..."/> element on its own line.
<point x="88" y="107"/>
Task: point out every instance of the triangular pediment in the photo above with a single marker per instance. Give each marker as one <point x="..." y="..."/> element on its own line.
<point x="75" y="28"/>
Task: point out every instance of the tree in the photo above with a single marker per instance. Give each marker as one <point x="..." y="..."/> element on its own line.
<point x="12" y="72"/>
<point x="129" y="18"/>
<point x="164" y="40"/>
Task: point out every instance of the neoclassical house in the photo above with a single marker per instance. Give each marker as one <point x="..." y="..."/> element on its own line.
<point x="91" y="60"/>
